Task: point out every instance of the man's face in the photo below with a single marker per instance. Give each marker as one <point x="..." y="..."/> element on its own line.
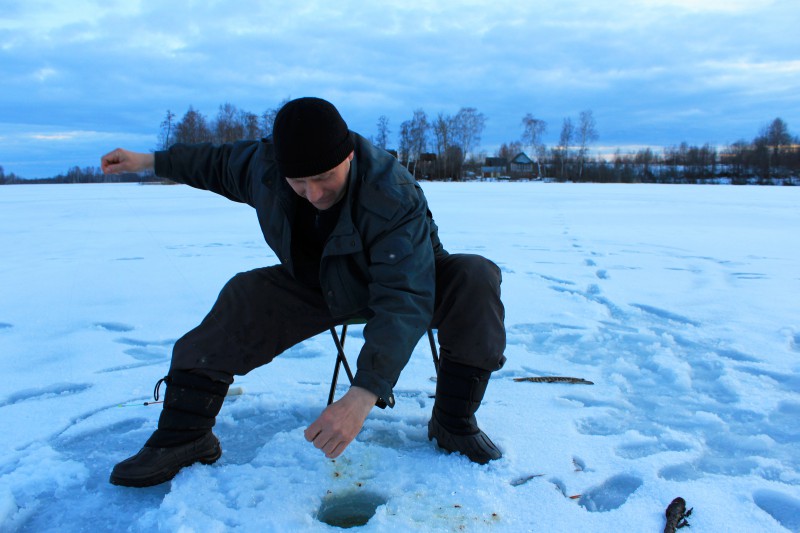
<point x="326" y="189"/>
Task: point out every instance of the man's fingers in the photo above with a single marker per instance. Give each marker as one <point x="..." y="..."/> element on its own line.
<point x="337" y="450"/>
<point x="331" y="443"/>
<point x="110" y="163"/>
<point x="311" y="433"/>
<point x="340" y="422"/>
<point x="120" y="160"/>
<point x="332" y="447"/>
<point x="328" y="444"/>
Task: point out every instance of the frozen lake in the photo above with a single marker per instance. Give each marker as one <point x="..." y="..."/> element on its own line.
<point x="680" y="303"/>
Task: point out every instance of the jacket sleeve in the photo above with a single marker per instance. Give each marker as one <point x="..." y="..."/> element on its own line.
<point x="224" y="169"/>
<point x="401" y="293"/>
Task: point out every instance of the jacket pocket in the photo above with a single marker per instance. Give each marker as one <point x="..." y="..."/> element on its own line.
<point x="391" y="250"/>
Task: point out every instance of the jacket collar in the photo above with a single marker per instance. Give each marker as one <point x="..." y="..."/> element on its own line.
<point x="344" y="238"/>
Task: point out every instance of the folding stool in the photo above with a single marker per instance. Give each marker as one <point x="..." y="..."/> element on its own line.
<point x="341" y="358"/>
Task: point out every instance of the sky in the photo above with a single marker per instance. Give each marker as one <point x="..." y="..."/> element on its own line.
<point x="81" y="77"/>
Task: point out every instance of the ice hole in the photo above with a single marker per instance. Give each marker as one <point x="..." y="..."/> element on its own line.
<point x="352" y="509"/>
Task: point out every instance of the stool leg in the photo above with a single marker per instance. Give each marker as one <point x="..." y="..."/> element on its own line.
<point x="341" y="359"/>
<point x="434" y="352"/>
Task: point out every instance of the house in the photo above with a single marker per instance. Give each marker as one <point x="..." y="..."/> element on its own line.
<point x="521" y="164"/>
<point x="520" y="167"/>
<point x="494" y="167"/>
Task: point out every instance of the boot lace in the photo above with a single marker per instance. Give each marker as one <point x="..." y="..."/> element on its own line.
<point x="156" y="391"/>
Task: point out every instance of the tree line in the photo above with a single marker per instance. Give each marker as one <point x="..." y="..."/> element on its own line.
<point x="447" y="147"/>
<point x="81" y="175"/>
<point x="771" y="158"/>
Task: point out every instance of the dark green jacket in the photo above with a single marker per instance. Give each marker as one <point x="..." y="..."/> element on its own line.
<point x="377" y="263"/>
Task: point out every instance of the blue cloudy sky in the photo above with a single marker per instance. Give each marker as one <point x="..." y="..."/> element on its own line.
<point x="80" y="77"/>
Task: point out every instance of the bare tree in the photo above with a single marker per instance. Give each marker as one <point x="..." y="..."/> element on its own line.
<point x="413" y="139"/>
<point x="268" y="117"/>
<point x="587" y="133"/>
<point x="382" y="139"/>
<point x="193" y="128"/>
<point x="250" y="126"/>
<point x="404" y="143"/>
<point x="509" y="151"/>
<point x="165" y="134"/>
<point x="777" y="133"/>
<point x="420" y="127"/>
<point x="442" y="133"/>
<point x="533" y="129"/>
<point x="227" y="126"/>
<point x="562" y="151"/>
<point x="449" y="152"/>
<point x="776" y="138"/>
<point x="467" y="128"/>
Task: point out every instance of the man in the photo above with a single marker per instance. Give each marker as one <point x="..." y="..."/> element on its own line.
<point x="355" y="239"/>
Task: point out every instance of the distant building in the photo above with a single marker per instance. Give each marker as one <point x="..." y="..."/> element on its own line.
<point x="521" y="164"/>
<point x="520" y="167"/>
<point x="494" y="167"/>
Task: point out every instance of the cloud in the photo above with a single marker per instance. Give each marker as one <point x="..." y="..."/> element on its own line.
<point x="710" y="6"/>
<point x="642" y="66"/>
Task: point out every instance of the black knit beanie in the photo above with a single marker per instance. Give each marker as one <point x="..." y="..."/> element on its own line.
<point x="310" y="138"/>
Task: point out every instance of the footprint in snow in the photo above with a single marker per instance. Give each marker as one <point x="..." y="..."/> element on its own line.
<point x="601" y="426"/>
<point x="57" y="390"/>
<point x="116" y="327"/>
<point x="782" y="507"/>
<point x="142" y="343"/>
<point x="579" y="464"/>
<point x="749" y="275"/>
<point x="789" y="382"/>
<point x="611" y="494"/>
<point x="680" y="472"/>
<point x="666" y="315"/>
<point x="131" y="366"/>
<point x="556" y="280"/>
<point x="646" y="448"/>
<point x="736" y="355"/>
<point x="146" y="354"/>
<point x="144" y="350"/>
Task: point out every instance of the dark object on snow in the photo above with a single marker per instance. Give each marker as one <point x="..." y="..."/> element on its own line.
<point x="524" y="479"/>
<point x="555" y="379"/>
<point x="676" y="515"/>
<point x="459" y="391"/>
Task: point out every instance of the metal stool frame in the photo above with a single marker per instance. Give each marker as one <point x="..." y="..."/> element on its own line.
<point x="341" y="358"/>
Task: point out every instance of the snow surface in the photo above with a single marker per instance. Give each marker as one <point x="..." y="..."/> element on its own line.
<point x="680" y="303"/>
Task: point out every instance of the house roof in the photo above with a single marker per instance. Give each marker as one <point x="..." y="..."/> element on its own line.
<point x="522" y="159"/>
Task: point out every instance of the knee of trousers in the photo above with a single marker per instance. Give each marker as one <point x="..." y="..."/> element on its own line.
<point x="241" y="283"/>
<point x="477" y="273"/>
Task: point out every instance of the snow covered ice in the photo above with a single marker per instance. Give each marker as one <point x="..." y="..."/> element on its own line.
<point x="680" y="303"/>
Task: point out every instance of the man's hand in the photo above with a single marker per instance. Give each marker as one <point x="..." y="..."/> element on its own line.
<point x="341" y="421"/>
<point x="120" y="160"/>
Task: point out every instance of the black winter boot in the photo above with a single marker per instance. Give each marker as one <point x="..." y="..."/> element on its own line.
<point x="184" y="435"/>
<point x="459" y="391"/>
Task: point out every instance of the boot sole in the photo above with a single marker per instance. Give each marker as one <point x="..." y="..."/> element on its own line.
<point x="164" y="476"/>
